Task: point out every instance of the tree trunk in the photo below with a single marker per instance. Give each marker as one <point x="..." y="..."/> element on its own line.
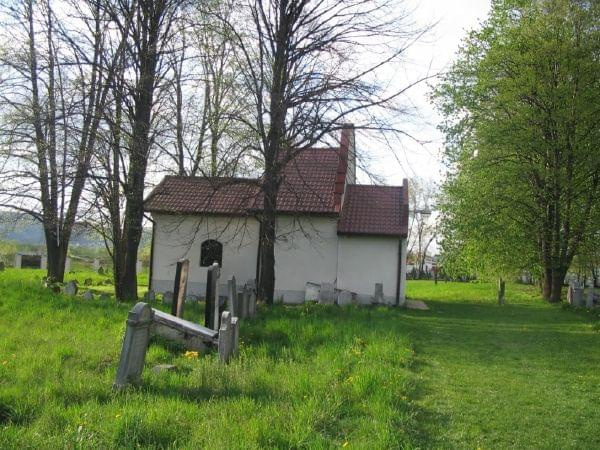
<point x="547" y="284"/>
<point x="267" y="242"/>
<point x="558" y="277"/>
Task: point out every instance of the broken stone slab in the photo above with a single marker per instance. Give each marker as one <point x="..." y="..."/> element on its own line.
<point x="70" y="288"/>
<point x="164" y="368"/>
<point x="87" y="295"/>
<point x="167" y="298"/>
<point x="345" y="298"/>
<point x="327" y="294"/>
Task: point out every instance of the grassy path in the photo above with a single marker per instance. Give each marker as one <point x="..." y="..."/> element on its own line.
<point x="521" y="376"/>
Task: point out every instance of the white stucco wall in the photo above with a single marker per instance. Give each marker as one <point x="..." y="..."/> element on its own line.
<point x="178" y="237"/>
<point x="366" y="260"/>
<point x="306" y="251"/>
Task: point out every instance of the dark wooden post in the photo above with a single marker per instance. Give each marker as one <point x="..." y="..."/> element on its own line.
<point x="180" y="288"/>
<point x="501" y="291"/>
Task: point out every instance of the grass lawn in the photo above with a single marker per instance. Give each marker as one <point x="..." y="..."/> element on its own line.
<point x="465" y="374"/>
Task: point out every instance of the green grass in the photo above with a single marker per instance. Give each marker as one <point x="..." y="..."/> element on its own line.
<point x="465" y="374"/>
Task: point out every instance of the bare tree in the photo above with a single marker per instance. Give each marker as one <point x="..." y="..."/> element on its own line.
<point x="422" y="229"/>
<point x="308" y="67"/>
<point x="55" y="86"/>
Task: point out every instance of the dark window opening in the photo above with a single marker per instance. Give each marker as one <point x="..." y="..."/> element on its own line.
<point x="210" y="252"/>
<point x="31" y="262"/>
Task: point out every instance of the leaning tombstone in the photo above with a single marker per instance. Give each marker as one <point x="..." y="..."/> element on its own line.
<point x="344" y="298"/>
<point x="590" y="296"/>
<point x="135" y="345"/>
<point x="87" y="295"/>
<point x="212" y="307"/>
<point x="1" y="266"/>
<point x="71" y="288"/>
<point x="180" y="287"/>
<point x="378" y="298"/>
<point x="225" y="343"/>
<point x="167" y="298"/>
<point x="327" y="294"/>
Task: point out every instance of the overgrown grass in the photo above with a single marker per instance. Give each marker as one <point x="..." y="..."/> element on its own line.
<point x="465" y="374"/>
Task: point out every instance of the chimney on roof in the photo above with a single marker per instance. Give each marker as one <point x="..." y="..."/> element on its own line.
<point x="348" y="152"/>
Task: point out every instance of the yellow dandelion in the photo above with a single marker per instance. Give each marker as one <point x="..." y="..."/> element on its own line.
<point x="345" y="444"/>
<point x="117" y="415"/>
<point x="4" y="363"/>
<point x="191" y="355"/>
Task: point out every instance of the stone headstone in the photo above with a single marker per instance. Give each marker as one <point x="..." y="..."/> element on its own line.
<point x="575" y="296"/>
<point x="225" y="342"/>
<point x="344" y="298"/>
<point x="180" y="287"/>
<point x="87" y="295"/>
<point x="96" y="265"/>
<point x="590" y="296"/>
<point x="235" y="338"/>
<point x="1" y="266"/>
<point x="135" y="345"/>
<point x="232" y="296"/>
<point x="100" y="270"/>
<point x="44" y="262"/>
<point x="244" y="302"/>
<point x="71" y="288"/>
<point x="150" y="296"/>
<point x="327" y="294"/>
<point x="378" y="297"/>
<point x="311" y="292"/>
<point x="167" y="298"/>
<point x="18" y="260"/>
<point x="212" y="308"/>
<point x="251" y="287"/>
<point x="88" y="282"/>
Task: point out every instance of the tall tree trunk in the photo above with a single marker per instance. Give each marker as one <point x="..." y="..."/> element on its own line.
<point x="267" y="241"/>
<point x="558" y="277"/>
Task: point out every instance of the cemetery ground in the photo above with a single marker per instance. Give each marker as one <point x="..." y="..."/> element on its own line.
<point x="465" y="374"/>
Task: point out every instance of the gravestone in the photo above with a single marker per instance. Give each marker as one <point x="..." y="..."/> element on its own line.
<point x="575" y="296"/>
<point x="212" y="307"/>
<point x="150" y="296"/>
<point x="590" y="296"/>
<point x="44" y="263"/>
<point x="71" y="288"/>
<point x="235" y="331"/>
<point x="180" y="287"/>
<point x="378" y="297"/>
<point x="138" y="266"/>
<point x="251" y="287"/>
<point x="311" y="292"/>
<point x="232" y="306"/>
<point x="18" y="260"/>
<point x="225" y="337"/>
<point x="344" y="298"/>
<point x="135" y="345"/>
<point x="88" y="282"/>
<point x="167" y="298"/>
<point x="96" y="265"/>
<point x="327" y="294"/>
<point x="244" y="301"/>
<point x="1" y="266"/>
<point x="87" y="295"/>
<point x="67" y="265"/>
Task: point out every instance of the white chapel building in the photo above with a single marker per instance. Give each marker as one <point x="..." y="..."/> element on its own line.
<point x="329" y="229"/>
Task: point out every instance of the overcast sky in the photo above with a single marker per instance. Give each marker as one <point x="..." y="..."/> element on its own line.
<point x="454" y="18"/>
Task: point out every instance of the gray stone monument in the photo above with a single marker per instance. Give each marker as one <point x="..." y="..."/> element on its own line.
<point x="18" y="260"/>
<point x="71" y="288"/>
<point x="87" y="295"/>
<point x="311" y="292"/>
<point x="167" y="298"/>
<point x="135" y="345"/>
<point x="344" y="298"/>
<point x="225" y="337"/>
<point x="590" y="296"/>
<point x="212" y="307"/>
<point x="327" y="294"/>
<point x="575" y="296"/>
<point x="378" y="297"/>
<point x="232" y="297"/>
<point x="180" y="287"/>
<point x="96" y="265"/>
<point x="44" y="262"/>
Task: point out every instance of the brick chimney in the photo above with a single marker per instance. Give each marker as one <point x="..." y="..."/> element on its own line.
<point x="346" y="171"/>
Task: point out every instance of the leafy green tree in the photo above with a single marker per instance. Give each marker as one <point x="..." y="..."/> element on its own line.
<point x="521" y="107"/>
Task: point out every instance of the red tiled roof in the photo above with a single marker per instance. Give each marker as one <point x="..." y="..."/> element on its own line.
<point x="206" y="195"/>
<point x="375" y="210"/>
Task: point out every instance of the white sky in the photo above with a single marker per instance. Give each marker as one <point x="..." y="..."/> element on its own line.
<point x="434" y="54"/>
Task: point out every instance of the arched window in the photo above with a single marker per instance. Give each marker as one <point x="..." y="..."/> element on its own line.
<point x="211" y="251"/>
